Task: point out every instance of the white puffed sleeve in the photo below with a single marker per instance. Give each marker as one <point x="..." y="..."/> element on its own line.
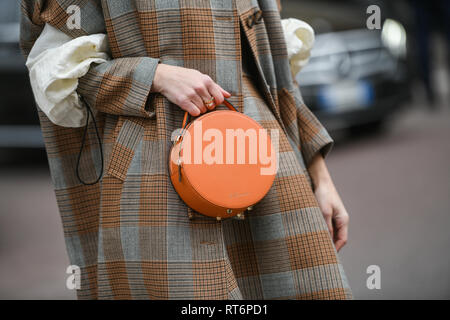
<point x="55" y="63"/>
<point x="299" y="39"/>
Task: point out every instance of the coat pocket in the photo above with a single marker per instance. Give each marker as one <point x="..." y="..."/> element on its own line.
<point x="130" y="133"/>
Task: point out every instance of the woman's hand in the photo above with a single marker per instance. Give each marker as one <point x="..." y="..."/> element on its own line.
<point x="187" y="88"/>
<point x="330" y="203"/>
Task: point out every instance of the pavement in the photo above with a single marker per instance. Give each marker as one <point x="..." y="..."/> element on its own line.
<point x="395" y="187"/>
<point x="394" y="184"/>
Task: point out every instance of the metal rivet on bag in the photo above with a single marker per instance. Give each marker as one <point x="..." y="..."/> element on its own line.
<point x="229" y="211"/>
<point x="250" y="208"/>
<point x="240" y="216"/>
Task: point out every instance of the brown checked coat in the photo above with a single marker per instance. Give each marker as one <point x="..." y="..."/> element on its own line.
<point x="130" y="233"/>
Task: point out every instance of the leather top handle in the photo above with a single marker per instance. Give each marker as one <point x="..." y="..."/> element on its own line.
<point x="225" y="102"/>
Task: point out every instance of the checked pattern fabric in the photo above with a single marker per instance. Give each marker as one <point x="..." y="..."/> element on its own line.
<point x="130" y="233"/>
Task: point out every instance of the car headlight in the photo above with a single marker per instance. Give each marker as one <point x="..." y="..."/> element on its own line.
<point x="393" y="36"/>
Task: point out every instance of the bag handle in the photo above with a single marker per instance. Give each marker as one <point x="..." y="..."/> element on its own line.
<point x="184" y="125"/>
<point x="187" y="115"/>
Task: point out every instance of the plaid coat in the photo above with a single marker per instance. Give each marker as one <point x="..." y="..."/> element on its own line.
<point x="130" y="233"/>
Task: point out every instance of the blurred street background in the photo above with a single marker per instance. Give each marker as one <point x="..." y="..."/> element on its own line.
<point x="384" y="96"/>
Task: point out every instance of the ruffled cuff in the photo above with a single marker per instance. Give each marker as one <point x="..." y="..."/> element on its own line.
<point x="55" y="64"/>
<point x="299" y="38"/>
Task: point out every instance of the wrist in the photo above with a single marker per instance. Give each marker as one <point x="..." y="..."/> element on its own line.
<point x="157" y="78"/>
<point x="319" y="173"/>
<point x="321" y="181"/>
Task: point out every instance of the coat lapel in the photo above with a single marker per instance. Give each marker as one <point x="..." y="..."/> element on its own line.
<point x="258" y="40"/>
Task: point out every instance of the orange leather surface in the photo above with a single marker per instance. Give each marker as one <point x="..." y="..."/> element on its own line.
<point x="212" y="188"/>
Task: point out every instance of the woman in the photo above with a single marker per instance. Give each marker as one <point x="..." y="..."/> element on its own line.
<point x="130" y="233"/>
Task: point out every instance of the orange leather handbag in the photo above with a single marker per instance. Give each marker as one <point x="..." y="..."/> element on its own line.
<point x="222" y="163"/>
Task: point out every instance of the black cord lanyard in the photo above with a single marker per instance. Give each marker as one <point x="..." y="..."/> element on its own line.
<point x="89" y="112"/>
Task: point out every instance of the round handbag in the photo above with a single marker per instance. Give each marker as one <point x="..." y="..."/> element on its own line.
<point x="222" y="163"/>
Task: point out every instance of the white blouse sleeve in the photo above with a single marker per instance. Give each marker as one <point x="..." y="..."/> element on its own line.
<point x="299" y="39"/>
<point x="55" y="63"/>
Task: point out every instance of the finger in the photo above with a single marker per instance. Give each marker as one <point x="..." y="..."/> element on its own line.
<point x="205" y="96"/>
<point x="195" y="99"/>
<point x="198" y="101"/>
<point x="329" y="222"/>
<point x="215" y="91"/>
<point x="225" y="93"/>
<point x="190" y="107"/>
<point x="341" y="237"/>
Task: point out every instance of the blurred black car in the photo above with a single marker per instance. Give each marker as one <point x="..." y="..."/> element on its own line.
<point x="19" y="124"/>
<point x="356" y="77"/>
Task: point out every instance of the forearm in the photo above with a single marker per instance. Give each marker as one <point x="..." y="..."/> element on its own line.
<point x="120" y="86"/>
<point x="318" y="172"/>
